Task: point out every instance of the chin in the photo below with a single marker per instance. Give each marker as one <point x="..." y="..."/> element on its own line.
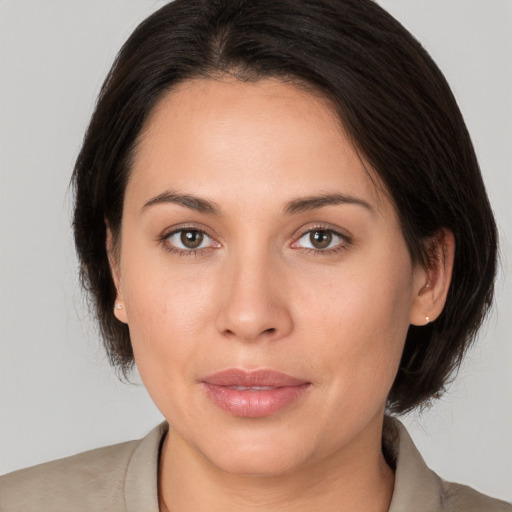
<point x="257" y="462"/>
<point x="260" y="454"/>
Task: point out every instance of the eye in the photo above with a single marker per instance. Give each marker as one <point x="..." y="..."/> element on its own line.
<point x="320" y="240"/>
<point x="190" y="240"/>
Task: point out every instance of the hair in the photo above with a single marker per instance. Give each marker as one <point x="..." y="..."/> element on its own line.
<point x="393" y="102"/>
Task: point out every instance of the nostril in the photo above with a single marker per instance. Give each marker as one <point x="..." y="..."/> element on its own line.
<point x="272" y="330"/>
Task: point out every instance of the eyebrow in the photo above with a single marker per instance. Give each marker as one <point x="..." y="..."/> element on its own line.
<point x="188" y="201"/>
<point x="314" y="202"/>
<point x="296" y="206"/>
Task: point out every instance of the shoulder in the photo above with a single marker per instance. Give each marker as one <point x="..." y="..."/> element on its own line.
<point x="91" y="481"/>
<point x="418" y="488"/>
<point x="77" y="483"/>
<point x="461" y="498"/>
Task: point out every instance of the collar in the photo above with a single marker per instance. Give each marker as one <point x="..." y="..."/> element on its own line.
<point x="141" y="480"/>
<point x="416" y="486"/>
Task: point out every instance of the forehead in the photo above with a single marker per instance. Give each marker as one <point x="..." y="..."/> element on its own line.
<point x="258" y="136"/>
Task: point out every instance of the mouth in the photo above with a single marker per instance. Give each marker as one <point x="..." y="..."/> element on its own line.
<point x="253" y="394"/>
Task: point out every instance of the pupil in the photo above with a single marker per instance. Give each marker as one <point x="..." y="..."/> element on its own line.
<point x="321" y="239"/>
<point x="191" y="239"/>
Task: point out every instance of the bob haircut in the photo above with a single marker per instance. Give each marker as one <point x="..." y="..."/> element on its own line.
<point x="391" y="99"/>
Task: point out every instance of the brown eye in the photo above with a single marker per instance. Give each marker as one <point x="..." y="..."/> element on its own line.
<point x="320" y="239"/>
<point x="191" y="239"/>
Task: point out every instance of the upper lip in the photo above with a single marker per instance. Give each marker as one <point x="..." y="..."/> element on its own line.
<point x="253" y="378"/>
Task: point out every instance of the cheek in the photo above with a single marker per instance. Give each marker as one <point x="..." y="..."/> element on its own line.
<point x="167" y="306"/>
<point x="359" y="321"/>
<point x="167" y="316"/>
<point x="160" y="310"/>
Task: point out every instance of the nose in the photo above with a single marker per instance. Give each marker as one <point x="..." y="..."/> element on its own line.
<point x="254" y="303"/>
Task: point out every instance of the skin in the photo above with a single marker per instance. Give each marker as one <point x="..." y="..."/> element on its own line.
<point x="257" y="294"/>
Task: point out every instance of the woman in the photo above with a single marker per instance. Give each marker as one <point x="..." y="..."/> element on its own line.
<point x="281" y="220"/>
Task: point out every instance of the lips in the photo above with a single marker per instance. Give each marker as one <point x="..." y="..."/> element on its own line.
<point x="253" y="394"/>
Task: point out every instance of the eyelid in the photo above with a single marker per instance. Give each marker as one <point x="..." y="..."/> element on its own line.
<point x="163" y="239"/>
<point x="342" y="234"/>
<point x="346" y="237"/>
<point x="191" y="226"/>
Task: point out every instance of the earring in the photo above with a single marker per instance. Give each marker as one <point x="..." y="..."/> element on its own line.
<point x="119" y="306"/>
<point x="427" y="320"/>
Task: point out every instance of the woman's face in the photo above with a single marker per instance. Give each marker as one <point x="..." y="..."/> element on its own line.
<point x="264" y="277"/>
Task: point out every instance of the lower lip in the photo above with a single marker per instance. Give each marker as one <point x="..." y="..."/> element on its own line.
<point x="254" y="404"/>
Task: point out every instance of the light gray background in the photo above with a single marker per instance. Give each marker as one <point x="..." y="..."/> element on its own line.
<point x="58" y="396"/>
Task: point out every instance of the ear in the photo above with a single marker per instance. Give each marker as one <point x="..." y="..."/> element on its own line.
<point x="433" y="282"/>
<point x="113" y="260"/>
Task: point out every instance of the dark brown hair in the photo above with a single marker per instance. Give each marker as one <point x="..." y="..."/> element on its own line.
<point x="393" y="101"/>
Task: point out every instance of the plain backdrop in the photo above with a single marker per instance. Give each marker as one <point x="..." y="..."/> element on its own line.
<point x="58" y="395"/>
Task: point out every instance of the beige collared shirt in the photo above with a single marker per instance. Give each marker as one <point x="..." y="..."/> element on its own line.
<point x="123" y="478"/>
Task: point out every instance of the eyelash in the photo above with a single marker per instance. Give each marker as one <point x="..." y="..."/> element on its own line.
<point x="164" y="241"/>
<point x="344" y="243"/>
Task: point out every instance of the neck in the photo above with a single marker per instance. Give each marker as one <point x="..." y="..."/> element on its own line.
<point x="356" y="478"/>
